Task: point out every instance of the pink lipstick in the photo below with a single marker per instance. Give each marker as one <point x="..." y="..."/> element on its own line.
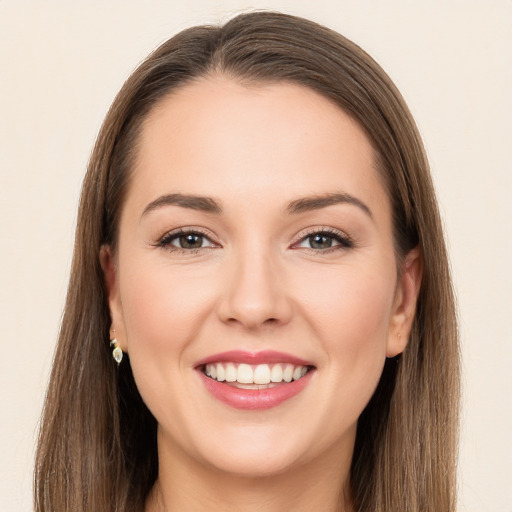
<point x="254" y="380"/>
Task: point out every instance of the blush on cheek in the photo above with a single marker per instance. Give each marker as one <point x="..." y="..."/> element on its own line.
<point x="160" y="309"/>
<point x="355" y="319"/>
<point x="356" y="310"/>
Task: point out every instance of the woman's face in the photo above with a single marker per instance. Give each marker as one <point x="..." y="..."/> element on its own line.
<point x="256" y="246"/>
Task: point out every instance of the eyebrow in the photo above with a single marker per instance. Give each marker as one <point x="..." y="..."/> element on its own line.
<point x="307" y="204"/>
<point x="301" y="205"/>
<point x="203" y="204"/>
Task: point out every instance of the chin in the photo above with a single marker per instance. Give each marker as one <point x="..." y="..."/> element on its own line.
<point x="253" y="463"/>
<point x="251" y="451"/>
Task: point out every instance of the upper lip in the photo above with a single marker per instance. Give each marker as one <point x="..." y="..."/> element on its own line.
<point x="260" y="357"/>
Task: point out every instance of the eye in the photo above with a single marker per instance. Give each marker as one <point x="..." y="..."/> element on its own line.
<point x="322" y="241"/>
<point x="186" y="241"/>
<point x="189" y="241"/>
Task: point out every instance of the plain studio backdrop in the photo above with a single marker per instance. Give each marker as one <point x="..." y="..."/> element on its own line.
<point x="61" y="63"/>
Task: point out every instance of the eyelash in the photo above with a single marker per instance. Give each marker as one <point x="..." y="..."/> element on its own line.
<point x="166" y="241"/>
<point x="343" y="241"/>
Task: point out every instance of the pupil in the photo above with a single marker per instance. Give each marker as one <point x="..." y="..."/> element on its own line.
<point x="321" y="242"/>
<point x="191" y="241"/>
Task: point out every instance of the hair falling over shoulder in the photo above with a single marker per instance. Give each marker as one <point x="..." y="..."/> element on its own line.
<point x="97" y="444"/>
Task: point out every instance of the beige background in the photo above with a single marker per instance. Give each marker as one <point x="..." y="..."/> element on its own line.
<point x="61" y="64"/>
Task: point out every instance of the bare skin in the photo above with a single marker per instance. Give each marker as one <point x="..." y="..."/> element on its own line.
<point x="276" y="493"/>
<point x="289" y="248"/>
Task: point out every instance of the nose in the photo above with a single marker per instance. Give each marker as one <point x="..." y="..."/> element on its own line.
<point x="255" y="293"/>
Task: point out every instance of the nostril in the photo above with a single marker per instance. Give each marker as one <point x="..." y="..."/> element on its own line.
<point x="268" y="321"/>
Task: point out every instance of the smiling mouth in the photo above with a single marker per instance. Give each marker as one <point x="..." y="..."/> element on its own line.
<point x="254" y="381"/>
<point x="260" y="376"/>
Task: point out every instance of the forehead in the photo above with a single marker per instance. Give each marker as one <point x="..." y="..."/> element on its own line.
<point x="219" y="138"/>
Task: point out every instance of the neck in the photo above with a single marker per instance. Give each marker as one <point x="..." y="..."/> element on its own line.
<point x="186" y="485"/>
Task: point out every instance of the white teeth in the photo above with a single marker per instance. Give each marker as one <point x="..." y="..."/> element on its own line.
<point x="297" y="373"/>
<point x="259" y="375"/>
<point x="230" y="372"/>
<point x="262" y="374"/>
<point x="255" y="386"/>
<point x="221" y="374"/>
<point x="245" y="374"/>
<point x="276" y="375"/>
<point x="288" y="373"/>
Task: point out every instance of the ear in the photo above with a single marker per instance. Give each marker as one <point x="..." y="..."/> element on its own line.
<point x="109" y="267"/>
<point x="404" y="306"/>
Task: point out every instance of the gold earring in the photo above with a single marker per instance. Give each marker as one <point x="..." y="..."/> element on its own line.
<point x="117" y="353"/>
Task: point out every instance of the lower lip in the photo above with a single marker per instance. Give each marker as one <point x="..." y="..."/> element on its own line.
<point x="255" y="399"/>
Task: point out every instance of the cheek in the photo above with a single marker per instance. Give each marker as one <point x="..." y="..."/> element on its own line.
<point x="160" y="308"/>
<point x="351" y="306"/>
<point x="350" y="315"/>
<point x="163" y="310"/>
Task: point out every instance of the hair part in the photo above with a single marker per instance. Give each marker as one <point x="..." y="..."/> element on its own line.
<point x="97" y="445"/>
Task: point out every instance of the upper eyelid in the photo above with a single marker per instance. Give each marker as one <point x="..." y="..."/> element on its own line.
<point x="188" y="230"/>
<point x="321" y="229"/>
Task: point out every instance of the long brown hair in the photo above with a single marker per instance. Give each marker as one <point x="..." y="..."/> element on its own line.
<point x="97" y="446"/>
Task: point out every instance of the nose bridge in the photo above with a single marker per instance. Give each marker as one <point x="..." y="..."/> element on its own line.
<point x="255" y="293"/>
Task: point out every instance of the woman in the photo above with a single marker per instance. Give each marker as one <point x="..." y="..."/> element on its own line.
<point x="260" y="313"/>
